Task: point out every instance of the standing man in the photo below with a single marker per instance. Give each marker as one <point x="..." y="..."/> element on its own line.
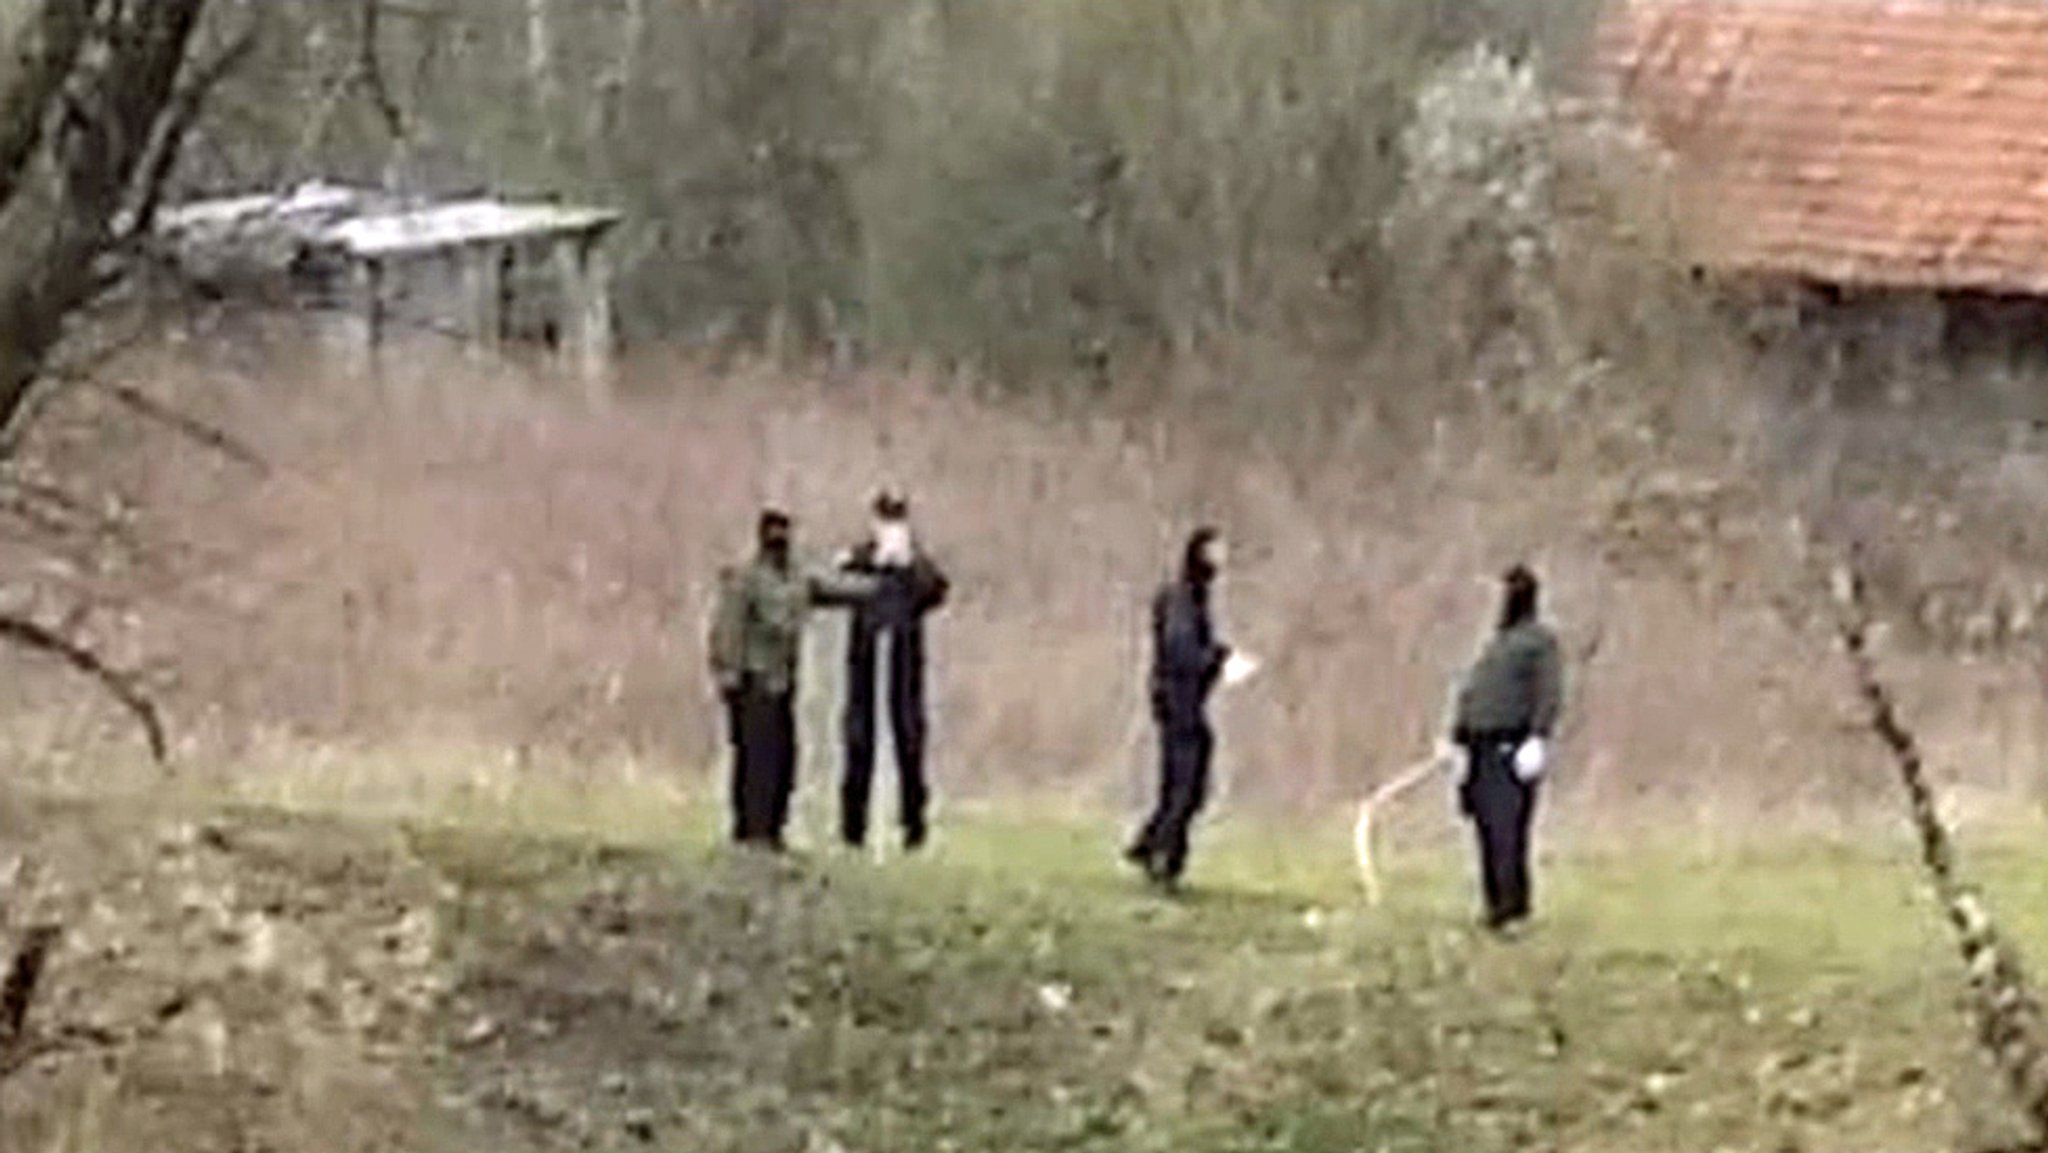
<point x="1187" y="662"/>
<point x="909" y="585"/>
<point x="756" y="642"/>
<point x="1506" y="713"/>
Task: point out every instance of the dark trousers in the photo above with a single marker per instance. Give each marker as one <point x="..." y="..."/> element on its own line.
<point x="907" y="726"/>
<point x="762" y="727"/>
<point x="1501" y="807"/>
<point x="1185" y="747"/>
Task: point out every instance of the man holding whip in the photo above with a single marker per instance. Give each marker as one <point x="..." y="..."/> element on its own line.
<point x="1506" y="713"/>
<point x="1502" y="722"/>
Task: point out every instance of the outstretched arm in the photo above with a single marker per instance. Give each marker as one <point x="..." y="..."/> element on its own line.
<point x="842" y="589"/>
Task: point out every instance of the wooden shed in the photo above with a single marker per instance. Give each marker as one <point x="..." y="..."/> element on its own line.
<point x="484" y="269"/>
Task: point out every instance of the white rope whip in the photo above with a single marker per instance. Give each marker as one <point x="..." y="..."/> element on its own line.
<point x="1361" y="833"/>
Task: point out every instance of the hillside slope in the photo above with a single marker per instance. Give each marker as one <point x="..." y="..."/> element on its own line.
<point x="243" y="978"/>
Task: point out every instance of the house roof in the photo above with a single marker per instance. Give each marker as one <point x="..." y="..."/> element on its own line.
<point x="367" y="225"/>
<point x="1877" y="143"/>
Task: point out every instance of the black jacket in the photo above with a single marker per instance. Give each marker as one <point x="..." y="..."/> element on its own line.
<point x="1187" y="658"/>
<point x="904" y="596"/>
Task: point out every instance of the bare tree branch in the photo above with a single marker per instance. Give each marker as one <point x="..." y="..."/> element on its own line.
<point x="2010" y="1026"/>
<point x="185" y="424"/>
<point x="24" y="973"/>
<point x="122" y="686"/>
<point x="175" y="125"/>
<point x="80" y="368"/>
<point x="103" y="142"/>
<point x="370" y="69"/>
<point x="364" y="70"/>
<point x="51" y="43"/>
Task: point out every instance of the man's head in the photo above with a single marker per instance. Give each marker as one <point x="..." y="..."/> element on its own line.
<point x="1519" y="593"/>
<point x="1204" y="557"/>
<point x="891" y="505"/>
<point x="774" y="536"/>
<point x="894" y="545"/>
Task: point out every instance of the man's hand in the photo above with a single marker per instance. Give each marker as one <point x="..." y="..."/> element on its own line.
<point x="1530" y="759"/>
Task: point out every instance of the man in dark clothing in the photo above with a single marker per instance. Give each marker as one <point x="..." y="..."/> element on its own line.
<point x="756" y="640"/>
<point x="1187" y="661"/>
<point x="1506" y="712"/>
<point x="909" y="586"/>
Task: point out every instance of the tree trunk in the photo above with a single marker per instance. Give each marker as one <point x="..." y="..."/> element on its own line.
<point x="49" y="43"/>
<point x="629" y="52"/>
<point x="55" y="237"/>
<point x="540" y="70"/>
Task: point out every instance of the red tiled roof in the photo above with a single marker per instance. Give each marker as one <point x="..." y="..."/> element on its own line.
<point x="1898" y="143"/>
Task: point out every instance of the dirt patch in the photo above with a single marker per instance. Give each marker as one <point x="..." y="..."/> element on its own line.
<point x="243" y="982"/>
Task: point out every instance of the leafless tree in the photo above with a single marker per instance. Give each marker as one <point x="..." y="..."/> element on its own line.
<point x="94" y="107"/>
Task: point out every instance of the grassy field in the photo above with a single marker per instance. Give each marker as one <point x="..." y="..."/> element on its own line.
<point x="378" y="983"/>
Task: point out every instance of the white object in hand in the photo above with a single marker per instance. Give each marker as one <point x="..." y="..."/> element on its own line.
<point x="1530" y="759"/>
<point x="894" y="545"/>
<point x="1239" y="668"/>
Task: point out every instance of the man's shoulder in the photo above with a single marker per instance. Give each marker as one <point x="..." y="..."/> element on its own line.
<point x="756" y="577"/>
<point x="1535" y="637"/>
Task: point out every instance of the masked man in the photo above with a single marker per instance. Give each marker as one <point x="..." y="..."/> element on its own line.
<point x="1506" y="712"/>
<point x="756" y="642"/>
<point x="1188" y="660"/>
<point x="909" y="585"/>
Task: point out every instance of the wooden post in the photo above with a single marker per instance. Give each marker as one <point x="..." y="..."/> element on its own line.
<point x="367" y="302"/>
<point x="483" y="282"/>
<point x="584" y="271"/>
<point x="596" y="305"/>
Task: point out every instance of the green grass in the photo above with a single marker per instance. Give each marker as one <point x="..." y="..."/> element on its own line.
<point x="1017" y="991"/>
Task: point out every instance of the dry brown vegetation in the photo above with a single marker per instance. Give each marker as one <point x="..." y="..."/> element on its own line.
<point x="463" y="564"/>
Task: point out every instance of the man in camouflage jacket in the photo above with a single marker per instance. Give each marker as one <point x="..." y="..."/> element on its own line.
<point x="756" y="645"/>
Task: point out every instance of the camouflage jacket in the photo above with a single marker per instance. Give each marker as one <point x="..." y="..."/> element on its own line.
<point x="758" y="625"/>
